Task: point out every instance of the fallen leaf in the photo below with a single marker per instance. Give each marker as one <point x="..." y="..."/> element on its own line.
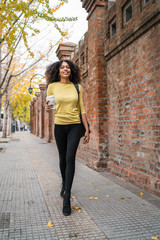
<point x="50" y="224"/>
<point x="39" y="176"/>
<point x="73" y="196"/>
<point x="90" y="183"/>
<point x="76" y="208"/>
<point x="121" y="197"/>
<point x="91" y="197"/>
<point x="141" y="193"/>
<point x="107" y="196"/>
<point x="79" y="211"/>
<point x="155" y="237"/>
<point x="97" y="190"/>
<point x="96" y="198"/>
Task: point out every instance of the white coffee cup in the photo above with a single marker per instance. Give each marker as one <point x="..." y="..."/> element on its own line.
<point x="51" y="100"/>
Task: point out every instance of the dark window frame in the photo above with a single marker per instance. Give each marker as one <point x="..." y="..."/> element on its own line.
<point x="145" y="2"/>
<point x="126" y="6"/>
<point x="87" y="55"/>
<point x="113" y="31"/>
<point x="110" y="27"/>
<point x="82" y="59"/>
<point x="128" y="14"/>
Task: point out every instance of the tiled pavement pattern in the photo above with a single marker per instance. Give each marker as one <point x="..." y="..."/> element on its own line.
<point x="29" y="198"/>
<point x="23" y="210"/>
<point x="76" y="226"/>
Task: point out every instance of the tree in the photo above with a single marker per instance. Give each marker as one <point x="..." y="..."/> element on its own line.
<point x="20" y="98"/>
<point x="18" y="17"/>
<point x="19" y="24"/>
<point x="17" y="101"/>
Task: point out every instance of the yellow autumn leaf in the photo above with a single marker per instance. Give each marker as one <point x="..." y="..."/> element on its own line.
<point x="91" y="197"/>
<point x="50" y="46"/>
<point x="141" y="193"/>
<point x="76" y="208"/>
<point x="155" y="237"/>
<point x="90" y="183"/>
<point x="50" y="224"/>
<point x="73" y="196"/>
<point x="107" y="196"/>
<point x="121" y="197"/>
<point x="79" y="211"/>
<point x="96" y="198"/>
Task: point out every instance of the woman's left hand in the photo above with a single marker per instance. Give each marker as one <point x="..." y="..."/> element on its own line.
<point x="86" y="138"/>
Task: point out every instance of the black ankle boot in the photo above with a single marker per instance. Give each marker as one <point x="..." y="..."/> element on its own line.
<point x="62" y="190"/>
<point x="66" y="204"/>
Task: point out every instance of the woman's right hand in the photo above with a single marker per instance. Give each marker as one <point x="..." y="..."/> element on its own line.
<point x="48" y="107"/>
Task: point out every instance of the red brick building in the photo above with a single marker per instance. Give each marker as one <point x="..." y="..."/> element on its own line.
<point x="120" y="61"/>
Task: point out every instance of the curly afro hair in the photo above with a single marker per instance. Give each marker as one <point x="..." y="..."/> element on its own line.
<point x="52" y="72"/>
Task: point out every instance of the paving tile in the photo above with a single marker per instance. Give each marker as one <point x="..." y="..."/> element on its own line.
<point x="30" y="186"/>
<point x="128" y="217"/>
<point x="21" y="196"/>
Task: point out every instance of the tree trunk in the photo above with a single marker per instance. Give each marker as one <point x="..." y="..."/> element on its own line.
<point x="9" y="121"/>
<point x="4" y="135"/>
<point x="0" y="109"/>
<point x="0" y="88"/>
<point x="4" y="131"/>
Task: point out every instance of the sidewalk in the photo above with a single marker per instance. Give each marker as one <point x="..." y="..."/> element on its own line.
<point x="29" y="198"/>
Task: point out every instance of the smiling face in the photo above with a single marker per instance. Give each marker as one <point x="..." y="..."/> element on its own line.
<point x="64" y="70"/>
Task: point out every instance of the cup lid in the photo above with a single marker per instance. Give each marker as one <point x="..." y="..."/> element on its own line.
<point x="51" y="96"/>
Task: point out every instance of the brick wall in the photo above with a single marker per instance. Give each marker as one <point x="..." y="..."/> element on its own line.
<point x="42" y="88"/>
<point x="133" y="70"/>
<point x="133" y="111"/>
<point x="89" y="55"/>
<point x="37" y="106"/>
<point x="119" y="59"/>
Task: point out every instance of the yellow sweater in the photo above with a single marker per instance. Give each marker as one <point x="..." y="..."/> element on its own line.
<point x="66" y="99"/>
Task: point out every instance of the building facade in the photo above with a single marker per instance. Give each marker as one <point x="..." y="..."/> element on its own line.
<point x="119" y="58"/>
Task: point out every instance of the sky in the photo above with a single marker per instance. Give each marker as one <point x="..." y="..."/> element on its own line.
<point x="74" y="9"/>
<point x="48" y="33"/>
<point x="76" y="29"/>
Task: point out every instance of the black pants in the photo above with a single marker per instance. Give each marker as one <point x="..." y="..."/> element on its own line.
<point x="67" y="140"/>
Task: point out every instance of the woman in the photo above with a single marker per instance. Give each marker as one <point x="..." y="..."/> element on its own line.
<point x="61" y="77"/>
